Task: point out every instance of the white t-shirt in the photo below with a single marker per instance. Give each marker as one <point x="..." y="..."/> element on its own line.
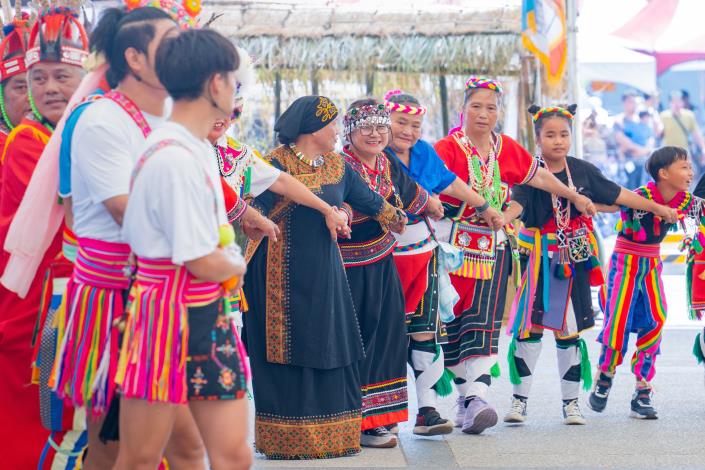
<point x="176" y="204"/>
<point x="262" y="174"/>
<point x="104" y="147"/>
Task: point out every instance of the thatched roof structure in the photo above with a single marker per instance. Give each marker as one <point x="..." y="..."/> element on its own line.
<point x="431" y="36"/>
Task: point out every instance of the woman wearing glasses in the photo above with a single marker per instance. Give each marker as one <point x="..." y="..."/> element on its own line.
<point x="372" y="275"/>
<point x="301" y="330"/>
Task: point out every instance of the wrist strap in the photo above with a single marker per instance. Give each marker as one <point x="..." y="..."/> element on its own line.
<point x="482" y="208"/>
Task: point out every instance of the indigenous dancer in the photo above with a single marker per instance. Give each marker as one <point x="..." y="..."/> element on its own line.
<point x="696" y="290"/>
<point x="101" y="141"/>
<point x="13" y="73"/>
<point x="176" y="225"/>
<point x="246" y="175"/>
<point x="56" y="48"/>
<point x="557" y="240"/>
<point x="416" y="257"/>
<point x="635" y="300"/>
<point x="373" y="277"/>
<point x="491" y="164"/>
<point x="302" y="332"/>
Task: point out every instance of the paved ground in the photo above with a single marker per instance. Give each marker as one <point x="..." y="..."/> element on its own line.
<point x="609" y="440"/>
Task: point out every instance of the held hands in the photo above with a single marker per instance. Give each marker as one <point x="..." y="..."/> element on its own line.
<point x="400" y="225"/>
<point x="434" y="209"/>
<point x="584" y="205"/>
<point x="493" y="218"/>
<point x="668" y="214"/>
<point x="256" y="226"/>
<point x="337" y="223"/>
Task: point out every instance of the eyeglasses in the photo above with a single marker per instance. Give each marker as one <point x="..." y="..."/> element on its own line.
<point x="368" y="130"/>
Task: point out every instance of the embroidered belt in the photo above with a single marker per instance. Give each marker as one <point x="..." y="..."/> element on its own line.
<point x="412" y="246"/>
<point x="102" y="264"/>
<point x="200" y="293"/>
<point x="360" y="254"/>
<point x="627" y="247"/>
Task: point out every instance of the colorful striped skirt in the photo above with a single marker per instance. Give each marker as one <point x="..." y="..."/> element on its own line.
<point x="152" y="362"/>
<point x="86" y="360"/>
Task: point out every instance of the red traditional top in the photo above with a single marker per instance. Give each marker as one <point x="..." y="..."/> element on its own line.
<point x="18" y="316"/>
<point x="516" y="165"/>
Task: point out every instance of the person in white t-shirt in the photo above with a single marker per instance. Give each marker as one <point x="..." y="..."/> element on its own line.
<point x="177" y="227"/>
<point x="102" y="139"/>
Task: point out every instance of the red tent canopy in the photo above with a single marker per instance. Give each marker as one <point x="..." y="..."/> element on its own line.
<point x="669" y="30"/>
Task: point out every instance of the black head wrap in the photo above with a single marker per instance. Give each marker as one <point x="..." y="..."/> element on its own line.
<point x="305" y="116"/>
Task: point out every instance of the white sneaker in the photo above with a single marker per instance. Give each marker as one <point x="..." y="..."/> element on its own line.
<point x="517" y="412"/>
<point x="460" y="414"/>
<point x="572" y="413"/>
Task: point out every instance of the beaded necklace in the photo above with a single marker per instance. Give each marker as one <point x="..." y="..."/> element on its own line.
<point x="3" y="109"/>
<point x="380" y="174"/>
<point x="561" y="213"/>
<point x="312" y="162"/>
<point x="484" y="179"/>
<point x="35" y="111"/>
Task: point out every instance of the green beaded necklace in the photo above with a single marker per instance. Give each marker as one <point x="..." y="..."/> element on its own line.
<point x="3" y="110"/>
<point x="486" y="183"/>
<point x="35" y="111"/>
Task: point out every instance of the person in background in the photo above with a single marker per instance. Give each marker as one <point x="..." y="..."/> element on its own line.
<point x="634" y="138"/>
<point x="680" y="128"/>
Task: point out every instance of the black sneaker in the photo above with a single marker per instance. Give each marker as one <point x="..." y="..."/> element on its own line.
<point x="430" y="423"/>
<point x="642" y="408"/>
<point x="598" y="397"/>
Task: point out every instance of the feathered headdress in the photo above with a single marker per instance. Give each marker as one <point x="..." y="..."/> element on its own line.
<point x="57" y="36"/>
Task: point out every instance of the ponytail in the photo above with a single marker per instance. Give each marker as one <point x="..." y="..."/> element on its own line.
<point x="119" y="30"/>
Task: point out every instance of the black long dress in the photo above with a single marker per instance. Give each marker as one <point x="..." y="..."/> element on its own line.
<point x="378" y="294"/>
<point x="301" y="329"/>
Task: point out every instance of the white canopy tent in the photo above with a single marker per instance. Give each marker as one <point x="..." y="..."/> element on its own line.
<point x="604" y="57"/>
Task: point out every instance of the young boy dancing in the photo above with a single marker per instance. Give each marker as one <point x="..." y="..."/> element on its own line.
<point x="635" y="300"/>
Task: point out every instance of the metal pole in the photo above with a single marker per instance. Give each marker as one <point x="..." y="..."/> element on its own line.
<point x="573" y="80"/>
<point x="443" y="90"/>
